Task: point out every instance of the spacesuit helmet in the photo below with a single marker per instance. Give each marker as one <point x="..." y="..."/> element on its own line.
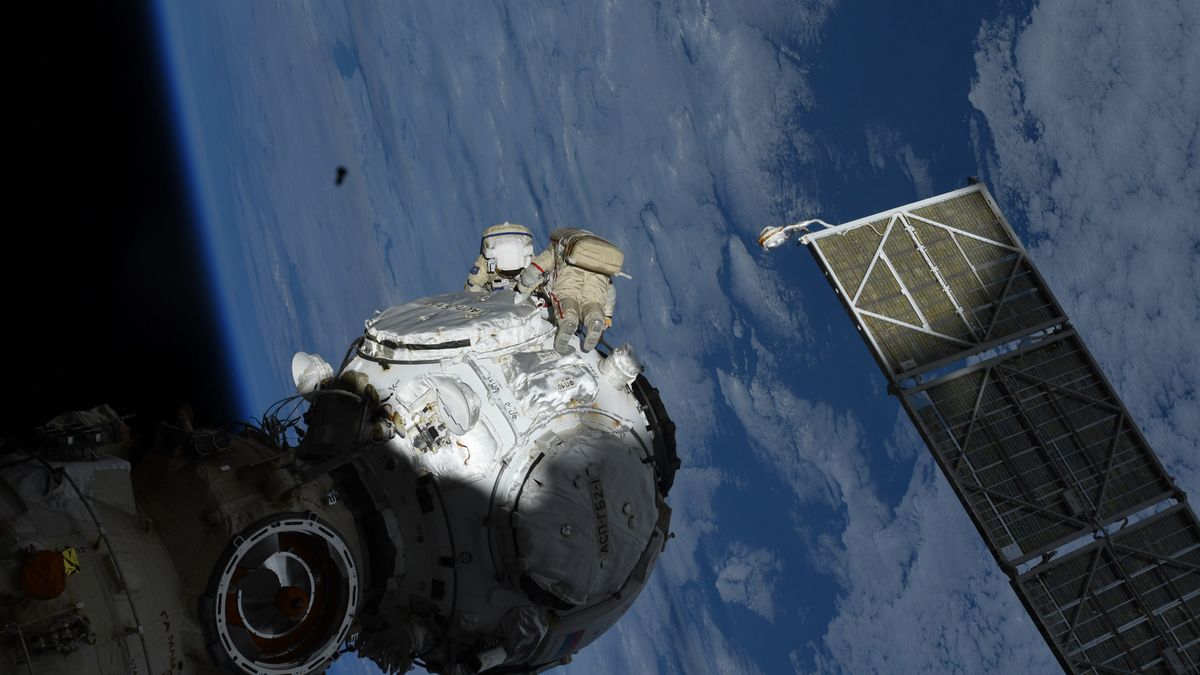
<point x="507" y="248"/>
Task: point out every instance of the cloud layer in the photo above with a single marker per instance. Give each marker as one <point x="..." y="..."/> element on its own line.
<point x="673" y="128"/>
<point x="748" y="577"/>
<point x="1092" y="110"/>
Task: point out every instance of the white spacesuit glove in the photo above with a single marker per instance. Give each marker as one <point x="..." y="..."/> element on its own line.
<point x="531" y="278"/>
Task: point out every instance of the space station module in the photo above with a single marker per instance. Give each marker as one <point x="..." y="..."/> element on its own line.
<point x="463" y="496"/>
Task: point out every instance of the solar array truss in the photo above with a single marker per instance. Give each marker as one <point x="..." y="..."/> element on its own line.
<point x="1096" y="538"/>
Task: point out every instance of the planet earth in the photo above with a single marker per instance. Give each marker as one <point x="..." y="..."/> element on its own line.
<point x="341" y="159"/>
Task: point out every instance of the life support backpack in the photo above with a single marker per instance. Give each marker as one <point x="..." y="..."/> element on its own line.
<point x="587" y="251"/>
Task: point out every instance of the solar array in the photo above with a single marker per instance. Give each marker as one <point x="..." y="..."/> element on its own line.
<point x="1096" y="538"/>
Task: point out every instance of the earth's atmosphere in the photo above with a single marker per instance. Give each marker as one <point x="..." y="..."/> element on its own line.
<point x="814" y="532"/>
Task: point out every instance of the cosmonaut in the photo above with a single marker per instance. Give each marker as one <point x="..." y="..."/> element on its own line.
<point x="504" y="250"/>
<point x="577" y="270"/>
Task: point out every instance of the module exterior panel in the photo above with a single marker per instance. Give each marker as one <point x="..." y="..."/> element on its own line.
<point x="1096" y="538"/>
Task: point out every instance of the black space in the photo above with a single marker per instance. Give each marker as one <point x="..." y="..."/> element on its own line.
<point x="106" y="294"/>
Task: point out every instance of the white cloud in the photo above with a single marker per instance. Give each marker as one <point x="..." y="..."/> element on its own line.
<point x="919" y="591"/>
<point x="812" y="448"/>
<point x="692" y="520"/>
<point x="885" y="145"/>
<point x="922" y="591"/>
<point x="669" y="630"/>
<point x="770" y="303"/>
<point x="748" y="577"/>
<point x="1093" y="110"/>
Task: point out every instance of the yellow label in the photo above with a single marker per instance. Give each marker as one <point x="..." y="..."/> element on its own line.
<point x="70" y="560"/>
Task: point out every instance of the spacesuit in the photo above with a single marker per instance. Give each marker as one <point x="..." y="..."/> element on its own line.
<point x="577" y="267"/>
<point x="504" y="250"/>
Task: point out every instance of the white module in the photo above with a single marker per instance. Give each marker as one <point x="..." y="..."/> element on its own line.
<point x="527" y="486"/>
<point x="462" y="496"/>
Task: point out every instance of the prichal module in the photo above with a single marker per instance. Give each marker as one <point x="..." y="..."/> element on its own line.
<point x="469" y="492"/>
